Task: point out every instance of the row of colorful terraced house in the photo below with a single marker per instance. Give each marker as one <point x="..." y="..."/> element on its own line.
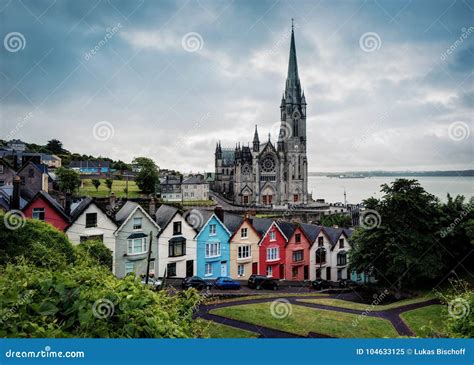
<point x="206" y="243"/>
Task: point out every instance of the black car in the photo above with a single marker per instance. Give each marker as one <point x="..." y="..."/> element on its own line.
<point x="195" y="282"/>
<point x="262" y="282"/>
<point x="320" y="284"/>
<point x="343" y="283"/>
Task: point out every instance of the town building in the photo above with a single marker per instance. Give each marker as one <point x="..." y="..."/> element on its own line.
<point x="195" y="188"/>
<point x="45" y="208"/>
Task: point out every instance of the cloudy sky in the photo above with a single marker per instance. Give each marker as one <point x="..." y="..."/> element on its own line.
<point x="389" y="84"/>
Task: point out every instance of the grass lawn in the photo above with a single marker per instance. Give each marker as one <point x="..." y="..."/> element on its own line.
<point x="262" y="296"/>
<point x="362" y="307"/>
<point x="89" y="190"/>
<point x="426" y="321"/>
<point x="303" y="320"/>
<point x="217" y="330"/>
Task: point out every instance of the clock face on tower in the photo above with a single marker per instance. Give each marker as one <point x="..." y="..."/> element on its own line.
<point x="246" y="170"/>
<point x="268" y="164"/>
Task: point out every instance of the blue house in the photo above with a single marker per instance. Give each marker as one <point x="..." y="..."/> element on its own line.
<point x="213" y="249"/>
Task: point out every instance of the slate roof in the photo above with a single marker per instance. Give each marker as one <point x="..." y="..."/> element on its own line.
<point x="6" y="193"/>
<point x="311" y="230"/>
<point x="194" y="179"/>
<point x="52" y="202"/>
<point x="261" y="225"/>
<point x="287" y="228"/>
<point x="164" y="215"/>
<point x="231" y="221"/>
<point x="125" y="211"/>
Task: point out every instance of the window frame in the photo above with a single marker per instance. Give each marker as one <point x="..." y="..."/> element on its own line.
<point x="131" y="244"/>
<point x="240" y="270"/>
<point x="212" y="229"/>
<point x="175" y="230"/>
<point x="135" y="227"/>
<point x="244" y="252"/>
<point x="172" y="248"/>
<point x="272" y="236"/>
<point x="40" y="211"/>
<point x="212" y="249"/>
<point x="242" y="231"/>
<point x="208" y="269"/>
<point x="273" y="254"/>
<point x="93" y="225"/>
<point x="299" y="252"/>
<point x="270" y="271"/>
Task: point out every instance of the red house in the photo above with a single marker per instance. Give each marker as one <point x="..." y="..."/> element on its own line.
<point x="43" y="207"/>
<point x="272" y="250"/>
<point x="297" y="255"/>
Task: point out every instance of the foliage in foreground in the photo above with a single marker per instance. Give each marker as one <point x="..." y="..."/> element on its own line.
<point x="97" y="251"/>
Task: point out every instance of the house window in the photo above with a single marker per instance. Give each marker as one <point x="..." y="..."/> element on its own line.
<point x="272" y="236"/>
<point x="320" y="256"/>
<point x="137" y="224"/>
<point x="129" y="268"/>
<point x="295" y="198"/>
<point x="208" y="269"/>
<point x="244" y="233"/>
<point x="137" y="246"/>
<point x="171" y="269"/>
<point x="176" y="228"/>
<point x="240" y="270"/>
<point x="320" y="241"/>
<point x="298" y="255"/>
<point x="341" y="243"/>
<point x="341" y="258"/>
<point x="298" y="237"/>
<point x="272" y="253"/>
<point x="294" y="272"/>
<point x="177" y="247"/>
<point x="270" y="271"/>
<point x="244" y="252"/>
<point x="212" y="229"/>
<point x="91" y="220"/>
<point x="38" y="213"/>
<point x="246" y="199"/>
<point x="213" y="249"/>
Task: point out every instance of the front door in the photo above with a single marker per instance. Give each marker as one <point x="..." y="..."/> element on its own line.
<point x="224" y="268"/>
<point x="255" y="268"/>
<point x="328" y="273"/>
<point x="189" y="268"/>
<point x="282" y="271"/>
<point x="306" y="272"/>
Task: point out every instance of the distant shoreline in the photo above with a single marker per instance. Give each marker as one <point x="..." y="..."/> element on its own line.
<point x="352" y="174"/>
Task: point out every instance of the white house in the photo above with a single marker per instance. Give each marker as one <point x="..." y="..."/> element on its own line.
<point x="89" y="222"/>
<point x="195" y="187"/>
<point x="176" y="244"/>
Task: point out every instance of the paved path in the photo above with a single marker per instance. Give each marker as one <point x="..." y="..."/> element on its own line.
<point x="392" y="315"/>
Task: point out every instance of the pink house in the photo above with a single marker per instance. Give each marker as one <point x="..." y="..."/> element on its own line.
<point x="297" y="255"/>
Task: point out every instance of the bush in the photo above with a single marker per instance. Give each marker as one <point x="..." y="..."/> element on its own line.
<point x="88" y="301"/>
<point x="97" y="251"/>
<point x="42" y="244"/>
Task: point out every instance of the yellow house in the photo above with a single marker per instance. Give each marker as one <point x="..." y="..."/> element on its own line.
<point x="244" y="251"/>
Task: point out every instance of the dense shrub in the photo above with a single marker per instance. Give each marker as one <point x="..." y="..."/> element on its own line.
<point x="41" y="243"/>
<point x="97" y="251"/>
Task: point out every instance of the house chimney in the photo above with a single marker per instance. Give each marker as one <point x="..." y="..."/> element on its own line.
<point x="68" y="202"/>
<point x="112" y="200"/>
<point x="152" y="206"/>
<point x="219" y="212"/>
<point x="15" y="198"/>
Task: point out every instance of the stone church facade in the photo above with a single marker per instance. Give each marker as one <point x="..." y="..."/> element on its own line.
<point x="265" y="174"/>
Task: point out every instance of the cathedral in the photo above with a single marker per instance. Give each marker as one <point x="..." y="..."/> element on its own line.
<point x="264" y="174"/>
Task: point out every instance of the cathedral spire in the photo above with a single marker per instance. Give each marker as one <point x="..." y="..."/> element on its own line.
<point x="293" y="87"/>
<point x="256" y="141"/>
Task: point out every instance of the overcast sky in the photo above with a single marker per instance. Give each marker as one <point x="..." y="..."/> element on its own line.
<point x="389" y="85"/>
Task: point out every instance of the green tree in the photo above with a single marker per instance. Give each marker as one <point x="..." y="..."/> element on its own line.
<point x="340" y="220"/>
<point x="68" y="180"/>
<point x="109" y="183"/>
<point x="120" y="165"/>
<point x="147" y="178"/>
<point x="397" y="237"/>
<point x="55" y="146"/>
<point x="97" y="251"/>
<point x="96" y="183"/>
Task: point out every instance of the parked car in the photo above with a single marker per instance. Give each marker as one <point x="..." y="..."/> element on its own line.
<point x="226" y="283"/>
<point x="320" y="284"/>
<point x="343" y="283"/>
<point x="156" y="284"/>
<point x="195" y="282"/>
<point x="262" y="282"/>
